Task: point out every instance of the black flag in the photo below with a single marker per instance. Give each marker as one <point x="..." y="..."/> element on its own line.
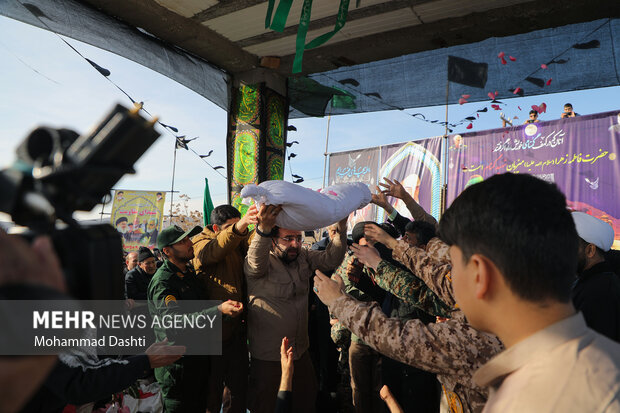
<point x="466" y="72"/>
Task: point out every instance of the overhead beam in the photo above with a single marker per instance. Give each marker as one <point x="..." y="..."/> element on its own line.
<point x="180" y="31"/>
<point x="224" y="7"/>
<point x="507" y="21"/>
<point x="330" y="21"/>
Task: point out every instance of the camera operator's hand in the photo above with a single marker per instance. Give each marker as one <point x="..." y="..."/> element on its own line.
<point x="248" y="219"/>
<point x="375" y="233"/>
<point x="367" y="255"/>
<point x="267" y="217"/>
<point x="231" y="308"/>
<point x="35" y="264"/>
<point x="161" y="354"/>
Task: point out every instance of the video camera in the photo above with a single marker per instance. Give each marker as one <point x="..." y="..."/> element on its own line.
<point x="58" y="172"/>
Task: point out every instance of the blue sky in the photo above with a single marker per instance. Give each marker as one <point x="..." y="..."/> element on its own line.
<point x="68" y="92"/>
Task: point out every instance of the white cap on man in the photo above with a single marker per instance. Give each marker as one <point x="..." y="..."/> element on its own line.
<point x="593" y="230"/>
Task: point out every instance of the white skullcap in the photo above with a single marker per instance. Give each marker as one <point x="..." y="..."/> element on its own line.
<point x="594" y="230"/>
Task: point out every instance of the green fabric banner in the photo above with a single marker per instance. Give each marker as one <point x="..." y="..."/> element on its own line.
<point x="208" y="205"/>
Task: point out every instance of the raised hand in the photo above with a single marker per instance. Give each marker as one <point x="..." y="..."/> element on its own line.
<point x="394" y="188"/>
<point x="327" y="289"/>
<point x="250" y="217"/>
<point x="286" y="364"/>
<point x="267" y="217"/>
<point x="367" y="255"/>
<point x="375" y="233"/>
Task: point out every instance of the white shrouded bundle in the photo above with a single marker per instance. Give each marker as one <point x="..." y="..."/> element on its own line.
<point x="304" y="209"/>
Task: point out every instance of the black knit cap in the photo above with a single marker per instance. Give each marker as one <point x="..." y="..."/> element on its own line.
<point x="144" y="254"/>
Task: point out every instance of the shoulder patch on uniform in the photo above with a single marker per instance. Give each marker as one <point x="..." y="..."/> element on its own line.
<point x="169" y="298"/>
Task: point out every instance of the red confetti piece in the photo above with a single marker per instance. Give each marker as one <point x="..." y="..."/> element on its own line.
<point x="490" y="95"/>
<point x="462" y="100"/>
<point x="515" y="117"/>
<point x="501" y="55"/>
<point x="549" y="81"/>
<point x="465" y="96"/>
<point x="543" y="107"/>
<point x="477" y="115"/>
<point x="544" y="66"/>
<point x="514" y="59"/>
<point x="519" y="107"/>
<point x="471" y="125"/>
<point x="504" y="61"/>
<point x="516" y="91"/>
<point x="496" y="107"/>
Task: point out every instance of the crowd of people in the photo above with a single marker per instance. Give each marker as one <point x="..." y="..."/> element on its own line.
<point x="510" y="303"/>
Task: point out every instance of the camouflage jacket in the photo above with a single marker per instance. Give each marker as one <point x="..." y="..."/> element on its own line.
<point x="367" y="291"/>
<point x="453" y="349"/>
<point x="409" y="288"/>
<point x="432" y="265"/>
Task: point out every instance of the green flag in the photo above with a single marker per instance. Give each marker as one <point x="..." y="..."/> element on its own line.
<point x="208" y="205"/>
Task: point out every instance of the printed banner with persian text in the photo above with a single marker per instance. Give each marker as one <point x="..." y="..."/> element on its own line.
<point x="579" y="154"/>
<point x="356" y="166"/>
<point x="416" y="165"/>
<point x="137" y="215"/>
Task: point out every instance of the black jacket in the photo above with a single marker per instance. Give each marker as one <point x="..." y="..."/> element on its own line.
<point x="597" y="295"/>
<point x="137" y="283"/>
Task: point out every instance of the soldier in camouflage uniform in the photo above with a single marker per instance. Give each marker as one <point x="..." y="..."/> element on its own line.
<point x="453" y="349"/>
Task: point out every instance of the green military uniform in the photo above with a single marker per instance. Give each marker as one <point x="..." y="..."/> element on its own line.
<point x="183" y="383"/>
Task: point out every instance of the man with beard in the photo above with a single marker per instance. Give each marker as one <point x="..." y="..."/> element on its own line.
<point x="597" y="290"/>
<point x="184" y="383"/>
<point x="278" y="271"/>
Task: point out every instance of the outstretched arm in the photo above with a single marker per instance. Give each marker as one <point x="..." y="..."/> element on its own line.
<point x="397" y="190"/>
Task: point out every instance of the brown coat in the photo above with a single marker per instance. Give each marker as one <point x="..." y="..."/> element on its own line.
<point x="278" y="295"/>
<point x="218" y="260"/>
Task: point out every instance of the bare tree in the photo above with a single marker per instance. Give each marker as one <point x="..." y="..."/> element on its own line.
<point x="183" y="216"/>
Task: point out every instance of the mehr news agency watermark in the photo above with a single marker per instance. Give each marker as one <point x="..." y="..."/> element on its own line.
<point x="108" y="327"/>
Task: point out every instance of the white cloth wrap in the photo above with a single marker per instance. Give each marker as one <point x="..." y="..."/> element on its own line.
<point x="304" y="209"/>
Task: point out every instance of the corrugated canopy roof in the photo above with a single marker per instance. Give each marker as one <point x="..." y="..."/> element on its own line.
<point x="395" y="50"/>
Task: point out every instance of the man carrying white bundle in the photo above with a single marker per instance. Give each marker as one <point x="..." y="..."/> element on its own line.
<point x="278" y="271"/>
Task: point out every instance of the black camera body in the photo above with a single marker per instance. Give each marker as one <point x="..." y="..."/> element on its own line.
<point x="58" y="172"/>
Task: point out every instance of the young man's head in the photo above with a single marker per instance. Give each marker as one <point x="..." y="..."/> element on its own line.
<point x="511" y="240"/>
<point x="595" y="238"/>
<point x="287" y="244"/>
<point x="224" y="216"/>
<point x="419" y="233"/>
<point x="533" y="115"/>
<point x="146" y="261"/>
<point x="568" y="111"/>
<point x="176" y="244"/>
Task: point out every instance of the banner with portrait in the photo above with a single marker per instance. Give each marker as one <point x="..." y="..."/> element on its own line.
<point x="137" y="215"/>
<point x="579" y="154"/>
<point x="417" y="166"/>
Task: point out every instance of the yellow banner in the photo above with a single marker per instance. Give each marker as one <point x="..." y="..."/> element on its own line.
<point x="137" y="215"/>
